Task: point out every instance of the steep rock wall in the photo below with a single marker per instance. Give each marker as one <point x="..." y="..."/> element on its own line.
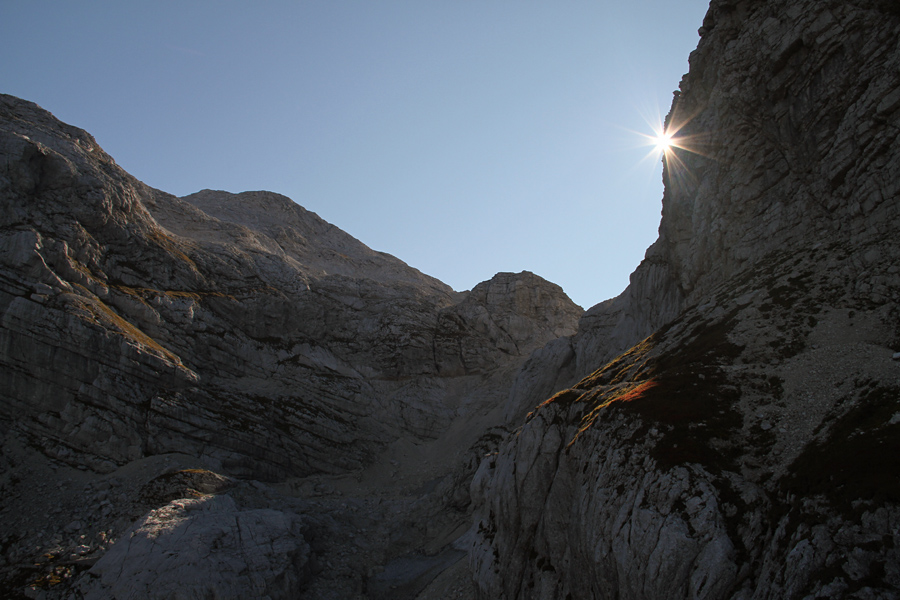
<point x="788" y="115"/>
<point x="733" y="432"/>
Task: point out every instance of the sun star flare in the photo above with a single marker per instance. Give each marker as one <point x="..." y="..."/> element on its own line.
<point x="663" y="141"/>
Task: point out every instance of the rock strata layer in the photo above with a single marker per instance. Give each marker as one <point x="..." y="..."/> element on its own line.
<point x="727" y="427"/>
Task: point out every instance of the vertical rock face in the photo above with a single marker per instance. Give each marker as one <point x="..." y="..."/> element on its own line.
<point x="790" y="110"/>
<point x="734" y="432"/>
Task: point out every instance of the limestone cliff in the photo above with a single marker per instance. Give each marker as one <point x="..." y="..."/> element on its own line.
<point x="729" y="427"/>
<point x="237" y="331"/>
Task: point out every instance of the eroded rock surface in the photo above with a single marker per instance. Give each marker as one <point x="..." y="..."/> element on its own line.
<point x="255" y="333"/>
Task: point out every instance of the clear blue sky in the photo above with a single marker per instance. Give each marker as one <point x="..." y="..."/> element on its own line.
<point x="464" y="137"/>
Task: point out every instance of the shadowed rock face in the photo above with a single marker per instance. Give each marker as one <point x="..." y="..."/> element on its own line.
<point x="791" y="111"/>
<point x="730" y="424"/>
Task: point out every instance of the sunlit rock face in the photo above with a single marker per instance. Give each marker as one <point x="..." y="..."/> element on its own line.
<point x="729" y="425"/>
<point x="239" y="326"/>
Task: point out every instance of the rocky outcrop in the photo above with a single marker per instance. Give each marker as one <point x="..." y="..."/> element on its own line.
<point x="728" y="424"/>
<point x="788" y="117"/>
<point x="242" y="554"/>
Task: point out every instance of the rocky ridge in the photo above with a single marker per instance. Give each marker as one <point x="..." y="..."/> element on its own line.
<point x="146" y="337"/>
<point x="727" y="427"/>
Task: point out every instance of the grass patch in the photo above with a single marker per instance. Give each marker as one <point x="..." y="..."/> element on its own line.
<point x="621" y="367"/>
<point x="103" y="315"/>
<point x="692" y="398"/>
<point x="681" y="390"/>
<point x="144" y="293"/>
<point x="561" y="399"/>
<point x="186" y="295"/>
<point x="624" y="393"/>
<point x="169" y="245"/>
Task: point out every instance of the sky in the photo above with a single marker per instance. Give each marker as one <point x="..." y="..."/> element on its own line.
<point x="464" y="137"/>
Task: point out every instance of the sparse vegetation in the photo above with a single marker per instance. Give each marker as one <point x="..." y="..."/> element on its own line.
<point x="680" y="388"/>
<point x="103" y="315"/>
<point x="170" y="246"/>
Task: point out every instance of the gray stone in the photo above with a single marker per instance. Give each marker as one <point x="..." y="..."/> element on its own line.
<point x="632" y="456"/>
<point x="73" y="527"/>
<point x="201" y="548"/>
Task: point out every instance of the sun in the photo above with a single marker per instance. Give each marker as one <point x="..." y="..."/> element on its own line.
<point x="669" y="140"/>
<point x="678" y="141"/>
<point x="663" y="141"/>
